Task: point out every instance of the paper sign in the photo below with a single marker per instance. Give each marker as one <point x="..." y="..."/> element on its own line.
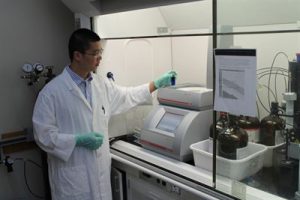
<point x="235" y="83"/>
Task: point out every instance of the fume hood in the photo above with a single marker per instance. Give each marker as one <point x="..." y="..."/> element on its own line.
<point x="92" y="8"/>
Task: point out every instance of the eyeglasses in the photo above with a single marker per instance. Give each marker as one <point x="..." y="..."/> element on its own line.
<point x="95" y="54"/>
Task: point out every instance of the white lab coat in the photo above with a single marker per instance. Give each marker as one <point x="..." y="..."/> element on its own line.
<point x="61" y="111"/>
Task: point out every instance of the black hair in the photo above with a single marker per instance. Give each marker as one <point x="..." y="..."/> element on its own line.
<point x="80" y="40"/>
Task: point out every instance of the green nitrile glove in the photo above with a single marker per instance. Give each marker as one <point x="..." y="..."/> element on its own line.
<point x="165" y="79"/>
<point x="90" y="140"/>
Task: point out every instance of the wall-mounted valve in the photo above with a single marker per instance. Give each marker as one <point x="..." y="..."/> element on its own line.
<point x="34" y="72"/>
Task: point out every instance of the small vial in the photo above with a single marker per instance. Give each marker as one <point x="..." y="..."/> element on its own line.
<point x="298" y="57"/>
<point x="173" y="80"/>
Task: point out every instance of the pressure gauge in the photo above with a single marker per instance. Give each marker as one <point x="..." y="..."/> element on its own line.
<point x="38" y="67"/>
<point x="27" y="68"/>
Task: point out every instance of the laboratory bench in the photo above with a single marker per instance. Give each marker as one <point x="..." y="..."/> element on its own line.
<point x="144" y="167"/>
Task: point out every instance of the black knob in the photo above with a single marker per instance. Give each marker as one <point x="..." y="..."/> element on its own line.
<point x="110" y="76"/>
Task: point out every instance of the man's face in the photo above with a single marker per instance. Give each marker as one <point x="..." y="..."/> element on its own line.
<point x="91" y="57"/>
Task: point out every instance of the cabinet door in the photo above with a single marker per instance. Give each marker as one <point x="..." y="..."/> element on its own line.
<point x="138" y="189"/>
<point x="117" y="184"/>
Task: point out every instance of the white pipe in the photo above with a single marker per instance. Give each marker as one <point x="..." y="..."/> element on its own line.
<point x="289" y="97"/>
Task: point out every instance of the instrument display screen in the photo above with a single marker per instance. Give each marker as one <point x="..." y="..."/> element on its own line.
<point x="169" y="122"/>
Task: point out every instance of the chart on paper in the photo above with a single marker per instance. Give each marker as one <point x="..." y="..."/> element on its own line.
<point x="231" y="84"/>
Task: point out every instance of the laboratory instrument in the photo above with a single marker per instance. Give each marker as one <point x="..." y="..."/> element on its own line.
<point x="293" y="110"/>
<point x="182" y="118"/>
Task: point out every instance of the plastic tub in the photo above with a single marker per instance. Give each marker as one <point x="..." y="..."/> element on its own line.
<point x="294" y="150"/>
<point x="268" y="160"/>
<point x="234" y="169"/>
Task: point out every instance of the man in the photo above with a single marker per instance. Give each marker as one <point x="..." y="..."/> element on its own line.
<point x="71" y="116"/>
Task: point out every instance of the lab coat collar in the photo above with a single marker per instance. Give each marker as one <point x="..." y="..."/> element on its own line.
<point x="76" y="78"/>
<point x="74" y="88"/>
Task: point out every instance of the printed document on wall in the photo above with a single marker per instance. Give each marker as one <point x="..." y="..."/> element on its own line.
<point x="235" y="83"/>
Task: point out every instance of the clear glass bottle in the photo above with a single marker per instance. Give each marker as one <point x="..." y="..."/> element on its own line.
<point x="232" y="141"/>
<point x="252" y="126"/>
<point x="271" y="127"/>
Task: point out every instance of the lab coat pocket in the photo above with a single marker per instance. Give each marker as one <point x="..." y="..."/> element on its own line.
<point x="72" y="181"/>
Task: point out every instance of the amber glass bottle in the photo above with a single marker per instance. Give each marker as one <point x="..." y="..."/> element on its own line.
<point x="271" y="127"/>
<point x="252" y="126"/>
<point x="221" y="123"/>
<point x="232" y="141"/>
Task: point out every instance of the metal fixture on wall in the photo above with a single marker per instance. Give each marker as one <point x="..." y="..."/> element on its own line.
<point x="34" y="72"/>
